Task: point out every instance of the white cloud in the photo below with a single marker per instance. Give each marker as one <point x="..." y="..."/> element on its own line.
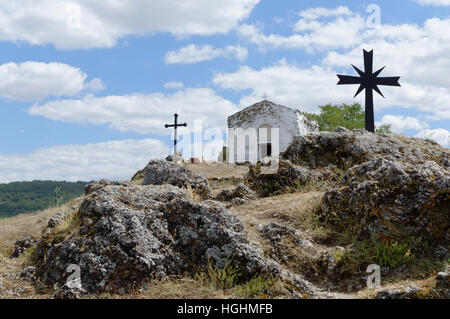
<point x="113" y="160"/>
<point x="173" y="85"/>
<point x="95" y="84"/>
<point x="141" y="113"/>
<point x="85" y="24"/>
<point x="440" y="135"/>
<point x="194" y="54"/>
<point x="417" y="53"/>
<point x="401" y="123"/>
<point x="320" y="12"/>
<point x="306" y="88"/>
<point x="278" y="20"/>
<point x="312" y="32"/>
<point x="36" y="80"/>
<point x="436" y="3"/>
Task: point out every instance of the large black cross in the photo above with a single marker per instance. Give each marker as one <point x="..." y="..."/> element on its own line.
<point x="175" y="126"/>
<point x="368" y="81"/>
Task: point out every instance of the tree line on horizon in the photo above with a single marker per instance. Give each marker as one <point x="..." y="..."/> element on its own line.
<point x="28" y="197"/>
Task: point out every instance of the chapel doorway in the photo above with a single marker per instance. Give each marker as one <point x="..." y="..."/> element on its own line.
<point x="264" y="142"/>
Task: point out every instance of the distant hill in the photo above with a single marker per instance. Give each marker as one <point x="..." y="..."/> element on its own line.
<point x="27" y="197"/>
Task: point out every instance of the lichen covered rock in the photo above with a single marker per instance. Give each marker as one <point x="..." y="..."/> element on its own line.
<point x="159" y="172"/>
<point x="391" y="200"/>
<point x="348" y="148"/>
<point x="407" y="292"/>
<point x="443" y="282"/>
<point x="20" y="246"/>
<point x="241" y="194"/>
<point x="95" y="186"/>
<point x="295" y="250"/>
<point x="286" y="178"/>
<point x="122" y="237"/>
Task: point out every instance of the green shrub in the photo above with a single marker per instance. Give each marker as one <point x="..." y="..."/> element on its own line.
<point x="363" y="253"/>
<point x="254" y="287"/>
<point x="224" y="278"/>
<point x="391" y="255"/>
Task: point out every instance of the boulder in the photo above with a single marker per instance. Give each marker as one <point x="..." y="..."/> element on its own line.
<point x="21" y="246"/>
<point x="159" y="172"/>
<point x="295" y="250"/>
<point x="286" y="178"/>
<point x="206" y="231"/>
<point x="176" y="158"/>
<point x="391" y="200"/>
<point x="29" y="273"/>
<point x="240" y="195"/>
<point x="443" y="282"/>
<point x="348" y="148"/>
<point x="407" y="292"/>
<point x="67" y="292"/>
<point x="95" y="186"/>
<point x="121" y="237"/>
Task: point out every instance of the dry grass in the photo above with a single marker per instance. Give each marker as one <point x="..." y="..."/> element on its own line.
<point x="27" y="225"/>
<point x="219" y="170"/>
<point x="173" y="288"/>
<point x="296" y="210"/>
<point x="184" y="288"/>
<point x="426" y="288"/>
<point x="200" y="286"/>
<point x="22" y="226"/>
<point x="13" y="229"/>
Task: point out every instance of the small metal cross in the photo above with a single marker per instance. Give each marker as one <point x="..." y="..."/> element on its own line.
<point x="175" y="126"/>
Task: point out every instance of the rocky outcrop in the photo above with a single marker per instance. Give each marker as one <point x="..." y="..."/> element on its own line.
<point x="348" y="148"/>
<point x="21" y="246"/>
<point x="207" y="231"/>
<point x="121" y="237"/>
<point x="95" y="186"/>
<point x="295" y="250"/>
<point x="159" y="172"/>
<point x="407" y="292"/>
<point x="443" y="282"/>
<point x="240" y="195"/>
<point x="286" y="178"/>
<point x="29" y="273"/>
<point x="387" y="186"/>
<point x="67" y="292"/>
<point x="176" y="158"/>
<point x="392" y="201"/>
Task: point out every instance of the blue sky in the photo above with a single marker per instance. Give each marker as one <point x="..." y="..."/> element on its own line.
<point x="85" y="88"/>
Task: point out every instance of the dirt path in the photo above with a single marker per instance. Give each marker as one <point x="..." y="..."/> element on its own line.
<point x="293" y="210"/>
<point x="13" y="285"/>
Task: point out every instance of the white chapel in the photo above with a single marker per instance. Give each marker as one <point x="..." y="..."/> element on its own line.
<point x="274" y="127"/>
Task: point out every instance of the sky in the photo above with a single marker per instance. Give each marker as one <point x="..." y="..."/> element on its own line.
<point x="87" y="86"/>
